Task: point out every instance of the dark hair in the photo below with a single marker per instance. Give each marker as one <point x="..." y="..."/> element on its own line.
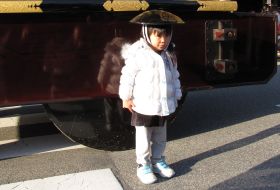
<point x="160" y="29"/>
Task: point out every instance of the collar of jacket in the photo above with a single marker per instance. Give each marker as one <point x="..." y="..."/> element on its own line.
<point x="129" y="50"/>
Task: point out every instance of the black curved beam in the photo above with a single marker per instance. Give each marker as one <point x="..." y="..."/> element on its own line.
<point x="45" y="6"/>
<point x="98" y="5"/>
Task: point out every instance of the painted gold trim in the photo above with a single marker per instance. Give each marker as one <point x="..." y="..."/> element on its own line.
<point x="126" y="5"/>
<point x="20" y="6"/>
<point x="214" y="5"/>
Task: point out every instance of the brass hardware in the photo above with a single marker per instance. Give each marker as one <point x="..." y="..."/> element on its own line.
<point x="217" y="5"/>
<point x="23" y="6"/>
<point x="125" y="5"/>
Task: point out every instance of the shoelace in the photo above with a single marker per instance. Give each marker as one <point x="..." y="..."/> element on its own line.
<point x="146" y="169"/>
<point x="163" y="164"/>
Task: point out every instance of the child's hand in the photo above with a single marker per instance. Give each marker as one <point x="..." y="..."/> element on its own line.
<point x="128" y="104"/>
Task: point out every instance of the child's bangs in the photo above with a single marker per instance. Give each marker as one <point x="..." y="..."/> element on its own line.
<point x="159" y="30"/>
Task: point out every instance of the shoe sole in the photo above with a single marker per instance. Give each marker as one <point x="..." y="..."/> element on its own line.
<point x="147" y="183"/>
<point x="162" y="175"/>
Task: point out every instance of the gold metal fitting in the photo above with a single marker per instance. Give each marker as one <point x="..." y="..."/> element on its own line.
<point x="214" y="5"/>
<point x="23" y="6"/>
<point x="126" y="5"/>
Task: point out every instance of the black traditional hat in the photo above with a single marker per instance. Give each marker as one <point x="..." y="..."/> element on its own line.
<point x="157" y="17"/>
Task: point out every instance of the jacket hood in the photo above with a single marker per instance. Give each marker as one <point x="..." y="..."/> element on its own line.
<point x="129" y="50"/>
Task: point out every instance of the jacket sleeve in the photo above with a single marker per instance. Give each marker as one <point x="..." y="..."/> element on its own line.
<point x="176" y="75"/>
<point x="127" y="78"/>
<point x="177" y="84"/>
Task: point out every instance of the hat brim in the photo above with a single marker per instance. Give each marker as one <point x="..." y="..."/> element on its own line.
<point x="157" y="17"/>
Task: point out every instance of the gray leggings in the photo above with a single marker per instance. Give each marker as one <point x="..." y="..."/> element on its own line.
<point x="150" y="144"/>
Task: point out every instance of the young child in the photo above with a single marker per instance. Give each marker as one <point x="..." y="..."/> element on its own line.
<point x="150" y="89"/>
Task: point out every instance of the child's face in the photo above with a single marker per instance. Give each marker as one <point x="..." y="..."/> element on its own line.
<point x="159" y="41"/>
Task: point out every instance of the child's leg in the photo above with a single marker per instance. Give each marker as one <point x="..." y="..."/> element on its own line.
<point x="158" y="139"/>
<point x="143" y="138"/>
<point x="144" y="169"/>
<point x="159" y="143"/>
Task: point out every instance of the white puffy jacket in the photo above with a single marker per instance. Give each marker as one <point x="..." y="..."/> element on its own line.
<point x="152" y="83"/>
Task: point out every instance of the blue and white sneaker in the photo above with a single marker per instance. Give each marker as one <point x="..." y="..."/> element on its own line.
<point x="145" y="174"/>
<point x="162" y="168"/>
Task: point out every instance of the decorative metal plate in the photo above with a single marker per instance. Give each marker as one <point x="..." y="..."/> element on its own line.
<point x="214" y="5"/>
<point x="126" y="5"/>
<point x="23" y="6"/>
